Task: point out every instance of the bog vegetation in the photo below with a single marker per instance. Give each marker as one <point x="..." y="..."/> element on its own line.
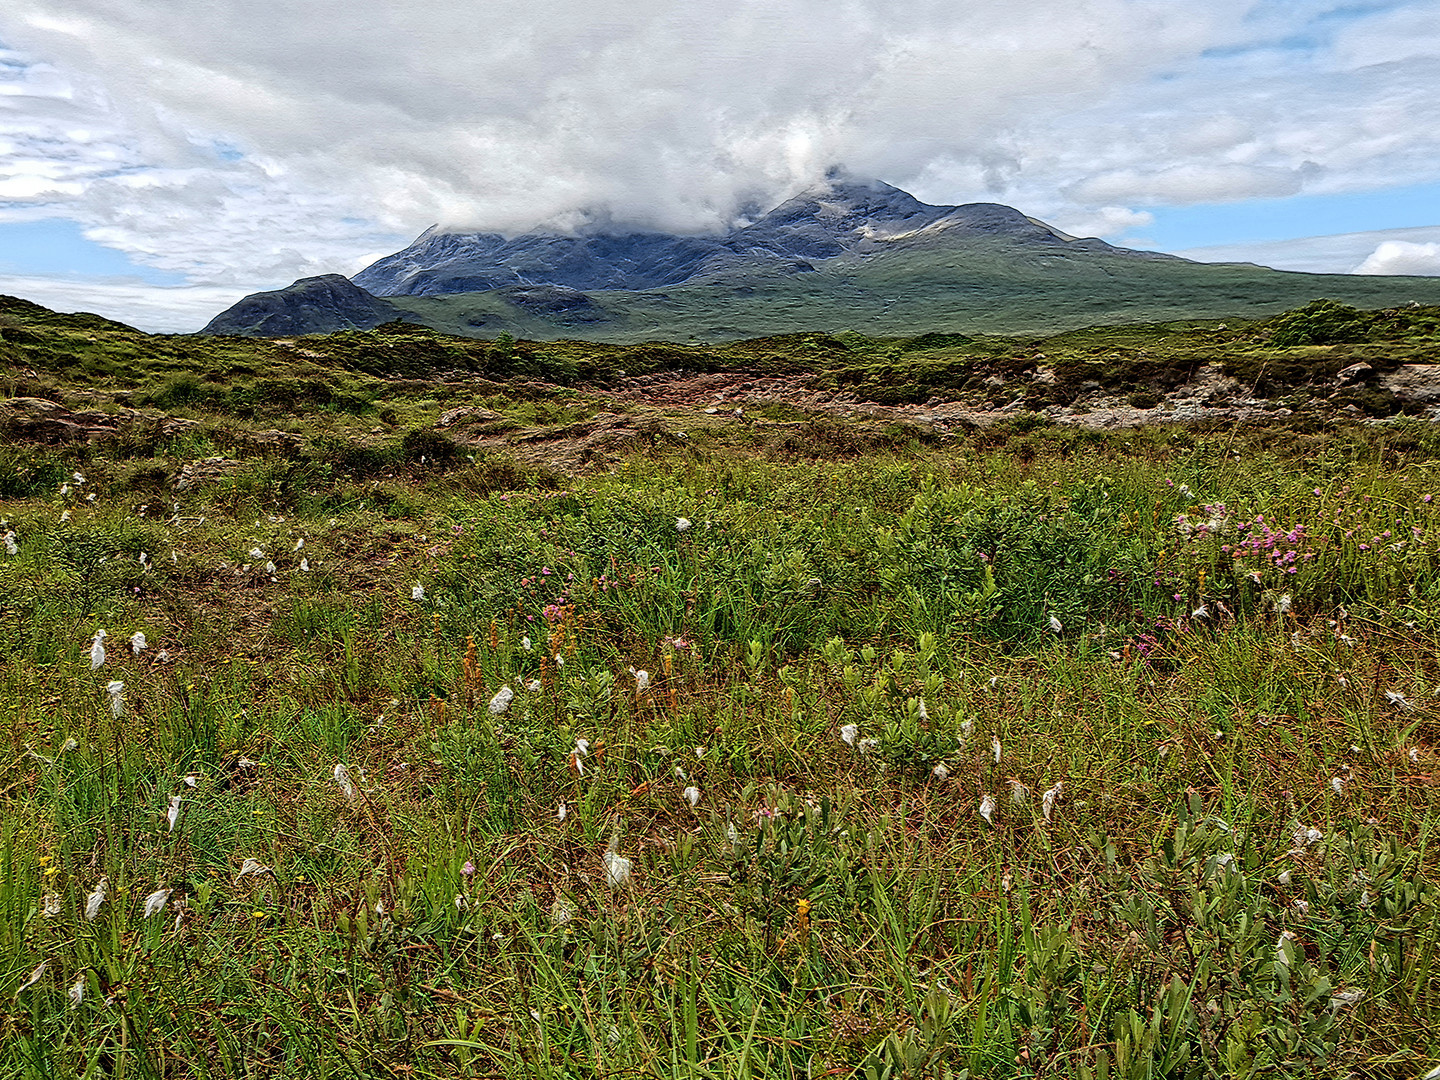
<point x="1025" y="752"/>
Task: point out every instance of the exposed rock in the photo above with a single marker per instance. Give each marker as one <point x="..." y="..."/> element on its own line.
<point x="31" y="419"/>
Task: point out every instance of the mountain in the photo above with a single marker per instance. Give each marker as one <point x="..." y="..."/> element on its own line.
<point x="845" y="254"/>
<point x="313" y="305"/>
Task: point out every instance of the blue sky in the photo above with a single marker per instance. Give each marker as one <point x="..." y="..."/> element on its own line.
<point x="262" y="141"/>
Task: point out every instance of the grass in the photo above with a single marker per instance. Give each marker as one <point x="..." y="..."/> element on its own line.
<point x="834" y="649"/>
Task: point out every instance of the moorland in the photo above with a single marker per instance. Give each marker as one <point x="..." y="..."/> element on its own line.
<point x="385" y="703"/>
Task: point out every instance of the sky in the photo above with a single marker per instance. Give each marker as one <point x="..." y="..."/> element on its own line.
<point x="159" y="159"/>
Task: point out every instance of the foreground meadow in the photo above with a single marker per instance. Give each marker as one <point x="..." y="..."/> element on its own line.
<point x="1031" y="753"/>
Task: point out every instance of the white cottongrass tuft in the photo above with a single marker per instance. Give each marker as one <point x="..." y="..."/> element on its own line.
<point x="920" y="710"/>
<point x="138" y="644"/>
<point x="987" y="809"/>
<point x="692" y="796"/>
<point x="1399" y="700"/>
<point x="533" y="685"/>
<point x="849" y="733"/>
<point x="299" y="543"/>
<point x="995" y="748"/>
<point x="617" y="870"/>
<point x="560" y="811"/>
<point x="681" y="524"/>
<point x="342" y="777"/>
<point x="642" y="680"/>
<point x="1285" y="948"/>
<point x="501" y="701"/>
<point x="116" y="689"/>
<point x="35" y="976"/>
<point x="252" y="868"/>
<point x="155" y="902"/>
<point x="1282" y="604"/>
<point x="76" y="993"/>
<point x="941" y="771"/>
<point x="97" y="650"/>
<point x="1048" y="800"/>
<point x="1019" y="793"/>
<point x="96" y="898"/>
<point x="304" y="566"/>
<point x="1337" y="785"/>
<point x="1055" y="626"/>
<point x="577" y="756"/>
<point x="417" y="591"/>
<point x="172" y="815"/>
<point x="525" y="644"/>
<point x="11" y="548"/>
<point x="866" y="745"/>
<point x="256" y="553"/>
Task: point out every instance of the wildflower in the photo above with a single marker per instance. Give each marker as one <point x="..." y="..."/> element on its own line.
<point x="155" y="902"/>
<point x="1337" y="785"/>
<point x="256" y="554"/>
<point x="305" y="566"/>
<point x="342" y="777"/>
<point x="299" y="543"/>
<point x="1302" y="906"/>
<point x="96" y="898"/>
<point x="525" y="644"/>
<point x="460" y="902"/>
<point x="692" y="796"/>
<point x="1019" y="793"/>
<point x="617" y="870"/>
<point x="501" y="701"/>
<point x="138" y="643"/>
<point x="987" y="809"/>
<point x="848" y="734"/>
<point x="582" y="750"/>
<point x="995" y="748"/>
<point x="172" y="815"/>
<point x="1283" y="877"/>
<point x="1304" y="838"/>
<point x="1399" y="700"/>
<point x="11" y="548"/>
<point x="560" y="810"/>
<point x="642" y="680"/>
<point x="1055" y="626"/>
<point x="97" y="650"/>
<point x="417" y="592"/>
<point x="1282" y="603"/>
<point x="940" y="771"/>
<point x="253" y="868"/>
<point x="681" y="524"/>
<point x="922" y="712"/>
<point x="1047" y="800"/>
<point x="35" y="976"/>
<point x="64" y="515"/>
<point x="1201" y="612"/>
<point x="76" y="993"/>
<point x="50" y="906"/>
<point x="533" y="685"/>
<point x="270" y="568"/>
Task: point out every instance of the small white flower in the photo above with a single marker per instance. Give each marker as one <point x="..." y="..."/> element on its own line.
<point x="642" y="680"/>
<point x="1047" y="800"/>
<point x="256" y="554"/>
<point x="1283" y="877"/>
<point x="64" y="515"/>
<point x="1201" y="612"/>
<point x="1282" y="603"/>
<point x="461" y="903"/>
<point x="533" y="685"/>
<point x="163" y="656"/>
<point x="525" y="644"/>
<point x="172" y="815"/>
<point x="1414" y="755"/>
<point x="1306" y="837"/>
<point x="987" y="809"/>
<point x="299" y="543"/>
<point x="155" y="902"/>
<point x="1337" y="785"/>
<point x="1399" y="700"/>
<point x="68" y="745"/>
<point x="270" y="568"/>
<point x="692" y="796"/>
<point x="849" y="733"/>
<point x="1302" y="906"/>
<point x="11" y="548"/>
<point x="96" y="898"/>
<point x="560" y="811"/>
<point x="922" y="712"/>
<point x="417" y="591"/>
<point x="995" y="748"/>
<point x="97" y="650"/>
<point x="617" y="870"/>
<point x="305" y="566"/>
<point x="76" y="993"/>
<point x="138" y="643"/>
<point x="1055" y="626"/>
<point x="501" y="701"/>
<point x="681" y="524"/>
<point x="941" y="771"/>
<point x="342" y="777"/>
<point x="35" y="976"/>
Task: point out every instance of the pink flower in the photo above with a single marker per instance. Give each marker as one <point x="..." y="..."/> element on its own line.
<point x="468" y="870"/>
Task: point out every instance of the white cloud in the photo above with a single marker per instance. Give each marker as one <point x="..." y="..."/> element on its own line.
<point x="248" y="142"/>
<point x="1403" y="257"/>
<point x="158" y="309"/>
<point x="1339" y="254"/>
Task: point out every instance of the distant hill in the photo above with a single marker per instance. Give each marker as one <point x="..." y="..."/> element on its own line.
<point x="847" y="254"/>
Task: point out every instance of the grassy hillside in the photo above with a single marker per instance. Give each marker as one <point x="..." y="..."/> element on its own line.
<point x="987" y="287"/>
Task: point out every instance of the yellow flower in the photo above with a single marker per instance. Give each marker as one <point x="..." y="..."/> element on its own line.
<point x="259" y="915"/>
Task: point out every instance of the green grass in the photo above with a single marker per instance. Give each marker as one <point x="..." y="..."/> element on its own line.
<point x="835" y="646"/>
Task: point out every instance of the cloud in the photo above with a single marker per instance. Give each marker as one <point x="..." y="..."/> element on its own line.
<point x="157" y="309"/>
<point x="246" y="143"/>
<point x="1403" y="257"/>
<point x="1340" y="254"/>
